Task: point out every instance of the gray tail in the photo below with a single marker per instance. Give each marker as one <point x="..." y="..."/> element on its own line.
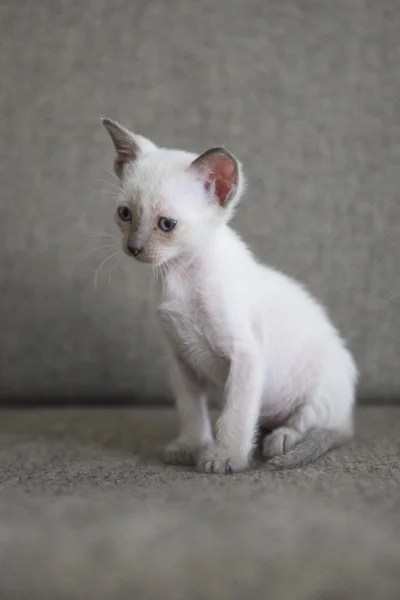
<point x="315" y="443"/>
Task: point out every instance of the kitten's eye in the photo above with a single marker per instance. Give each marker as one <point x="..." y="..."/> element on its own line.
<point x="166" y="224"/>
<point x="124" y="213"/>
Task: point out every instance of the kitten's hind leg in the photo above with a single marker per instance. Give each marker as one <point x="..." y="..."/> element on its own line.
<point x="195" y="431"/>
<point x="303" y="439"/>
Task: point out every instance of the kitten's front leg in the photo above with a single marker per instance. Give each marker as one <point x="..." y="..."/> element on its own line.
<point x="195" y="431"/>
<point x="237" y="423"/>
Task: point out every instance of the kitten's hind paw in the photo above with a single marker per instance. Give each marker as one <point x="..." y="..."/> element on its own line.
<point x="220" y="462"/>
<point x="279" y="442"/>
<point x="181" y="452"/>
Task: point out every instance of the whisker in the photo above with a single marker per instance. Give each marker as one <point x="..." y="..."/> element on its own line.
<point x="113" y="175"/>
<point x="120" y="189"/>
<point x="101" y="267"/>
<point x="121" y="186"/>
<point x="154" y="272"/>
<point x="98" y="253"/>
<point x="114" y="267"/>
<point x="103" y="234"/>
<point x="103" y="244"/>
<point x="117" y="187"/>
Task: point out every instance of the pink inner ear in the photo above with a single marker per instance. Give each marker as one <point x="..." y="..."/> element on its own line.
<point x="223" y="173"/>
<point x="222" y="189"/>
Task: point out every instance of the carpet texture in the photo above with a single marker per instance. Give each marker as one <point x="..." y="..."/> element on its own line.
<point x="87" y="510"/>
<point x="305" y="92"/>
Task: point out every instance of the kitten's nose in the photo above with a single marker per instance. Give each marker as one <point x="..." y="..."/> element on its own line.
<point x="135" y="250"/>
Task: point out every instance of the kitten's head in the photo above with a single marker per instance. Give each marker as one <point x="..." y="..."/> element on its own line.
<point x="170" y="201"/>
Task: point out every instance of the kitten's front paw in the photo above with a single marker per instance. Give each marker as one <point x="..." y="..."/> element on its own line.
<point x="279" y="442"/>
<point x="181" y="452"/>
<point x="221" y="461"/>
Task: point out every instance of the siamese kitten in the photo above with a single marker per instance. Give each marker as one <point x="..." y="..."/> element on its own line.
<point x="235" y="327"/>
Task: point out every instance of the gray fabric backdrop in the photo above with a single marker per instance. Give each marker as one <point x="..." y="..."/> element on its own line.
<point x="305" y="92"/>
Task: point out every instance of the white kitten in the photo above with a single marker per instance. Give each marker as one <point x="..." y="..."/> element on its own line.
<point x="236" y="328"/>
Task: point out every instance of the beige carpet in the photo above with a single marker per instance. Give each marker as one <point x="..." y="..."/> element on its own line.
<point x="88" y="511"/>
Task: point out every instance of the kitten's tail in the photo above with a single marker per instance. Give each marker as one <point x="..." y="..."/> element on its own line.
<point x="315" y="443"/>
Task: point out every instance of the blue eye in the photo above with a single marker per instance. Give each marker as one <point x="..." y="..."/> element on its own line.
<point x="124" y="213"/>
<point x="166" y="224"/>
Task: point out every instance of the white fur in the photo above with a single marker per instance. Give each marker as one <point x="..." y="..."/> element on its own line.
<point x="237" y="329"/>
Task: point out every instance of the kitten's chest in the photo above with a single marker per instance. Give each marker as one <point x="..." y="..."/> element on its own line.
<point x="183" y="320"/>
<point x="190" y="329"/>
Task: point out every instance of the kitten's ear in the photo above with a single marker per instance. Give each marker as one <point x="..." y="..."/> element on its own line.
<point x="220" y="172"/>
<point x="128" y="146"/>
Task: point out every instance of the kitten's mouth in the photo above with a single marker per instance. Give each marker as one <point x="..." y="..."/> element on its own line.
<point x="144" y="259"/>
